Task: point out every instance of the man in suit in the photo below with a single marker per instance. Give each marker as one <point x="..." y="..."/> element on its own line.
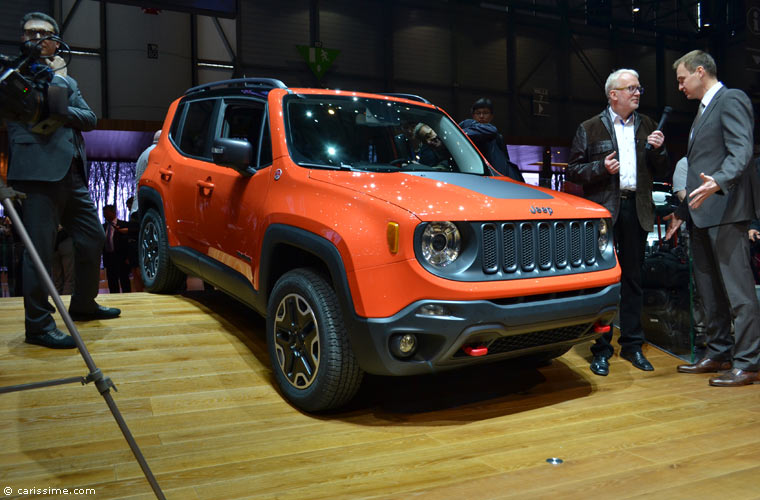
<point x="52" y="170"/>
<point x="609" y="159"/>
<point x="722" y="199"/>
<point x="116" y="251"/>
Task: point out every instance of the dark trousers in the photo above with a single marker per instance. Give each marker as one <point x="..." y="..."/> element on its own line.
<point x="47" y="204"/>
<point x="117" y="271"/>
<point x="724" y="279"/>
<point x="630" y="240"/>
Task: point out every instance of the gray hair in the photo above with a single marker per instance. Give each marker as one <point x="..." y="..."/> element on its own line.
<point x="612" y="80"/>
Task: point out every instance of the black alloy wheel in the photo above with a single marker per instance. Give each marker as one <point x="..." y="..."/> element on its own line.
<point x="158" y="272"/>
<point x="312" y="360"/>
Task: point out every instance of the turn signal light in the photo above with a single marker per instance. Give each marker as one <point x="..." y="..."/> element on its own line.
<point x="392" y="235"/>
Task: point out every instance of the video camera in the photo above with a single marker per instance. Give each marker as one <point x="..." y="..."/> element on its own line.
<point x="26" y="95"/>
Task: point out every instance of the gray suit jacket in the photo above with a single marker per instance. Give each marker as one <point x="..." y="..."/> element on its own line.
<point x="35" y="157"/>
<point x="721" y="147"/>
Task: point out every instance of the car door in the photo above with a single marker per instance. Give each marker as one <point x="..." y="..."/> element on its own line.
<point x="230" y="219"/>
<point x="186" y="169"/>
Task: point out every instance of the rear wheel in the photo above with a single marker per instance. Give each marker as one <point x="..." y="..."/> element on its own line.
<point x="307" y="341"/>
<point x="158" y="272"/>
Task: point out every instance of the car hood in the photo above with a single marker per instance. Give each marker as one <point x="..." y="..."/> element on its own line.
<point x="456" y="196"/>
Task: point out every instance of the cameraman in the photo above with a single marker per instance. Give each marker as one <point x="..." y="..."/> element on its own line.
<point x="52" y="170"/>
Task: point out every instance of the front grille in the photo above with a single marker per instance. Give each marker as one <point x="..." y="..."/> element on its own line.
<point x="530" y="246"/>
<point x="534" y="339"/>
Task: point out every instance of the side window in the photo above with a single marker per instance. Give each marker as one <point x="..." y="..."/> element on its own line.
<point x="175" y="123"/>
<point x="243" y="120"/>
<point x="195" y="131"/>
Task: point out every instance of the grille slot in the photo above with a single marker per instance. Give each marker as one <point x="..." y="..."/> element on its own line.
<point x="490" y="253"/>
<point x="560" y="232"/>
<point x="509" y="237"/>
<point x="528" y="260"/>
<point x="588" y="244"/>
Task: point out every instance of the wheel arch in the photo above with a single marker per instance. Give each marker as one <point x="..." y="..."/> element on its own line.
<point x="285" y="248"/>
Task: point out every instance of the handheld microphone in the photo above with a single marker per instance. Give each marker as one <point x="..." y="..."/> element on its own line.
<point x="665" y="112"/>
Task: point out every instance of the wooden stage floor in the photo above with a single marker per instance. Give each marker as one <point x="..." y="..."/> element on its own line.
<point x="195" y="388"/>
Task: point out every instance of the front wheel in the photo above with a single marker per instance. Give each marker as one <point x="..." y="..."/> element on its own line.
<point x="159" y="274"/>
<point x="307" y="341"/>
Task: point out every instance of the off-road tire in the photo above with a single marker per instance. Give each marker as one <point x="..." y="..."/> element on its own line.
<point x="312" y="360"/>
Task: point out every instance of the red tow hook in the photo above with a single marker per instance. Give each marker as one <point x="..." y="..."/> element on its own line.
<point x="479" y="350"/>
<point x="600" y="328"/>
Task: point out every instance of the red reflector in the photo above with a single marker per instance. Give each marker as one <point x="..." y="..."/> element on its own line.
<point x="475" y="351"/>
<point x="599" y="328"/>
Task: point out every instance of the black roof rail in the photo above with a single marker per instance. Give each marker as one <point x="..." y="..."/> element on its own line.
<point x="411" y="97"/>
<point x="262" y="83"/>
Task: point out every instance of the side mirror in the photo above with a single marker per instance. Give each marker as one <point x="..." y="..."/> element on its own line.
<point x="233" y="153"/>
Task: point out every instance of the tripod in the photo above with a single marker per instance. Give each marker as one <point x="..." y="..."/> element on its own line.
<point x="102" y="383"/>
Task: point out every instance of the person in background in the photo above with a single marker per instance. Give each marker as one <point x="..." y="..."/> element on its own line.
<point x="115" y="251"/>
<point x="133" y="232"/>
<point x="52" y="170"/>
<point x="488" y="139"/>
<point x="722" y="187"/>
<point x="609" y="159"/>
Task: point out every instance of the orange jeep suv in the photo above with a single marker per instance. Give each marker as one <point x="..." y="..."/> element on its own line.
<point x="371" y="234"/>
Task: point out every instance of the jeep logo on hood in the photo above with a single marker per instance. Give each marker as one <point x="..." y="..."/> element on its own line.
<point x="541" y="210"/>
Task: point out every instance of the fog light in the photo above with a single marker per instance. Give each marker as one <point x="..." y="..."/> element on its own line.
<point x="433" y="310"/>
<point x="404" y="345"/>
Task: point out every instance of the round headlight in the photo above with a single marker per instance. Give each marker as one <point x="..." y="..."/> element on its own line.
<point x="604" y="234"/>
<point x="441" y="243"/>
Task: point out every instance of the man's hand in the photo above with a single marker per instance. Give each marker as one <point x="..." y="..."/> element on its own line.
<point x="673" y="225"/>
<point x="57" y="64"/>
<point x="611" y="164"/>
<point x="699" y="195"/>
<point x="754" y="235"/>
<point x="656" y="139"/>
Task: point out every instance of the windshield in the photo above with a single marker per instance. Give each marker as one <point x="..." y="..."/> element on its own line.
<point x="358" y="133"/>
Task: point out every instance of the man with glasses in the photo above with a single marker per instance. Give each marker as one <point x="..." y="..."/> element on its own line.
<point x="609" y="159"/>
<point x="52" y="170"/>
<point x="722" y="186"/>
<point x="488" y="139"/>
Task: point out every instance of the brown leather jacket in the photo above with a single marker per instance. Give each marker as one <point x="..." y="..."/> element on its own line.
<point x="596" y="139"/>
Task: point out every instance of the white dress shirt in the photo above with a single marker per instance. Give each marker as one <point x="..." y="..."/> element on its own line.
<point x="626" y="140"/>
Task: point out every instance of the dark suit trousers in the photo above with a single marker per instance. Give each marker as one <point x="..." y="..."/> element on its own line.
<point x="724" y="279"/>
<point x="631" y="240"/>
<point x="47" y="204"/>
<point x="117" y="271"/>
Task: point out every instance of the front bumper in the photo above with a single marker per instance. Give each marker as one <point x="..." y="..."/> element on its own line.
<point x="509" y="328"/>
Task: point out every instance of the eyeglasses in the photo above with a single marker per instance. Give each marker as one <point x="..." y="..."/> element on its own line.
<point x="38" y="33"/>
<point x="631" y="88"/>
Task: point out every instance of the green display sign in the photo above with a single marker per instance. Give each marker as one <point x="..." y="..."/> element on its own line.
<point x="319" y="59"/>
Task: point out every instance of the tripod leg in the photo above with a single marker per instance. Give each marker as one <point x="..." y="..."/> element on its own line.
<point x="102" y="383"/>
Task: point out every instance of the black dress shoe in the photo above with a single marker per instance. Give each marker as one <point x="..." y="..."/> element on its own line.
<point x="638" y="360"/>
<point x="600" y="365"/>
<point x="99" y="313"/>
<point x="55" y="339"/>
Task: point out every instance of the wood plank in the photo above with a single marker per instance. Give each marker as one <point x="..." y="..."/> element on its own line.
<point x="195" y="387"/>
